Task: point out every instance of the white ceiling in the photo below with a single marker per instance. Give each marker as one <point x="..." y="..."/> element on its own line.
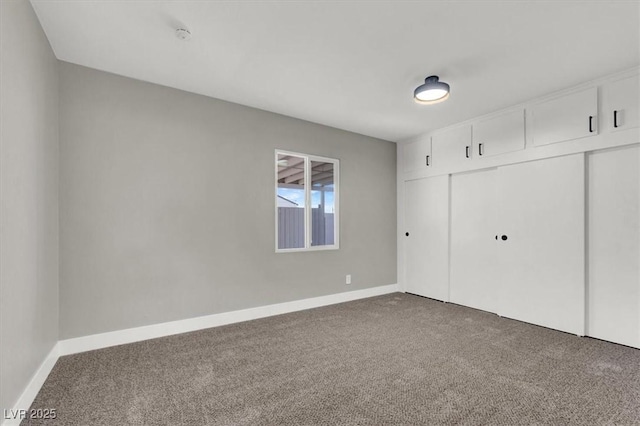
<point x="352" y="64"/>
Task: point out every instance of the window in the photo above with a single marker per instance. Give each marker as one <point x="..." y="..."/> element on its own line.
<point x="306" y="202"/>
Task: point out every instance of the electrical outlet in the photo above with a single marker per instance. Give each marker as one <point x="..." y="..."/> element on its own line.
<point x="348" y="280"/>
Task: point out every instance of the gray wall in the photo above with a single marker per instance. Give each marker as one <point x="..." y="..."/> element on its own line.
<point x="167" y="206"/>
<point x="29" y="198"/>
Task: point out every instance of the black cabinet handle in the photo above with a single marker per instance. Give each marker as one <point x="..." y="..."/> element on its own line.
<point x="591" y="124"/>
<point x="427" y="160"/>
<point x="466" y="151"/>
<point x="615" y="118"/>
<point x="504" y="238"/>
<point x="480" y="149"/>
<point x="406" y="233"/>
<point x="496" y="237"/>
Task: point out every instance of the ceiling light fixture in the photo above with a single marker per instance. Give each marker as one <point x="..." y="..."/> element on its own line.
<point x="432" y="91"/>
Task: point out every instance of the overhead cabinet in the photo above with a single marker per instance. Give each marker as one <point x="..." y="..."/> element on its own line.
<point x="417" y="155"/>
<point x="602" y="109"/>
<point x="452" y="148"/>
<point x="499" y="135"/>
<point x="565" y="118"/>
<point x="620" y="103"/>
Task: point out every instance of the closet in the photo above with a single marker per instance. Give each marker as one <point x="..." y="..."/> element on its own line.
<point x="517" y="245"/>
<point x="533" y="212"/>
<point x="553" y="242"/>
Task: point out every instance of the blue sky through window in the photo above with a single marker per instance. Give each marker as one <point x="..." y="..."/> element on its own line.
<point x="297" y="196"/>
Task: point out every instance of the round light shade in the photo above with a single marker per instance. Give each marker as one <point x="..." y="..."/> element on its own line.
<point x="432" y="91"/>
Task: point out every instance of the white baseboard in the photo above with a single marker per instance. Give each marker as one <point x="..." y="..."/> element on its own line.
<point x="32" y="389"/>
<point x="130" y="335"/>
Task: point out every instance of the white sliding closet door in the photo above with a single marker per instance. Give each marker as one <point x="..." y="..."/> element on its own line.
<point x="613" y="291"/>
<point x="542" y="259"/>
<point x="427" y="245"/>
<point x="474" y="207"/>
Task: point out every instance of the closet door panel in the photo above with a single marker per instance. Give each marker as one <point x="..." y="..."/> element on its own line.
<point x="541" y="262"/>
<point x="473" y="244"/>
<point x="613" y="306"/>
<point x="427" y="245"/>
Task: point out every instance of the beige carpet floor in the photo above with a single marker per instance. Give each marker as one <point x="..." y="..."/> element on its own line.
<point x="396" y="359"/>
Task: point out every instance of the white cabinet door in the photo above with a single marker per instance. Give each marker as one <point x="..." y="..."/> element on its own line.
<point x="541" y="257"/>
<point x="613" y="307"/>
<point x="451" y="148"/>
<point x="427" y="242"/>
<point x="474" y="207"/>
<point x="499" y="135"/>
<point x="417" y="155"/>
<point x="569" y="117"/>
<point x="620" y="103"/>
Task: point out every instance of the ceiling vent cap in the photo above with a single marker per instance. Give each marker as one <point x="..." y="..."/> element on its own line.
<point x="183" y="34"/>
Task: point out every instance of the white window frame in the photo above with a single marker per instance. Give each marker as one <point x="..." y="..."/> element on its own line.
<point x="308" y="158"/>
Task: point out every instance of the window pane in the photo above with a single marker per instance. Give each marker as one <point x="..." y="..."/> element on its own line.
<point x="322" y="204"/>
<point x="290" y="201"/>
